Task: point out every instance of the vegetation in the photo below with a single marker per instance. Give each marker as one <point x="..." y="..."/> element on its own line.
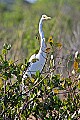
<point x="54" y="93"/>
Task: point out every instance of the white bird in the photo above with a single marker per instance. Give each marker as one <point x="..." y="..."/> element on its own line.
<point x="39" y="58"/>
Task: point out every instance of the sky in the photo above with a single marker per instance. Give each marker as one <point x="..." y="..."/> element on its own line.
<point x="31" y="1"/>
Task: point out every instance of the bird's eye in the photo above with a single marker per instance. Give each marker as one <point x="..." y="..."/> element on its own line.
<point x="44" y="17"/>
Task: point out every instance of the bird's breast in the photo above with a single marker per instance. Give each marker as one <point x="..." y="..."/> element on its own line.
<point x="38" y="65"/>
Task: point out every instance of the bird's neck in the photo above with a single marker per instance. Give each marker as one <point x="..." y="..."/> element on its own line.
<point x="43" y="45"/>
<point x="40" y="29"/>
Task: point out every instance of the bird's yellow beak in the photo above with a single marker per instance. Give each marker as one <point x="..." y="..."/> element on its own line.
<point x="48" y="18"/>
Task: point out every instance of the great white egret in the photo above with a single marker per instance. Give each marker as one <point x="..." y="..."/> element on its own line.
<point x="39" y="58"/>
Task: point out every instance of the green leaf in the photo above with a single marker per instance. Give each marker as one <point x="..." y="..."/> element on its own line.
<point x="4" y="51"/>
<point x="34" y="60"/>
<point x="36" y="52"/>
<point x="37" y="74"/>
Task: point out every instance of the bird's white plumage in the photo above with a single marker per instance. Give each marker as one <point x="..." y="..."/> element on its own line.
<point x="38" y="65"/>
<point x="41" y="56"/>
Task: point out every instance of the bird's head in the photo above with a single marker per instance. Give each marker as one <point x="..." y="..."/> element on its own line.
<point x="45" y="17"/>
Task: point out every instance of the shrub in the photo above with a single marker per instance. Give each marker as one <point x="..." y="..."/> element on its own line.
<point x="48" y="96"/>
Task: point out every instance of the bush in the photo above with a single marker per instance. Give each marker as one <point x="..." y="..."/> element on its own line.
<point x="47" y="96"/>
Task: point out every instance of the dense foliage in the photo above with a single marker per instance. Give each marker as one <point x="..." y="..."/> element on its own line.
<point x="47" y="95"/>
<point x="53" y="94"/>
